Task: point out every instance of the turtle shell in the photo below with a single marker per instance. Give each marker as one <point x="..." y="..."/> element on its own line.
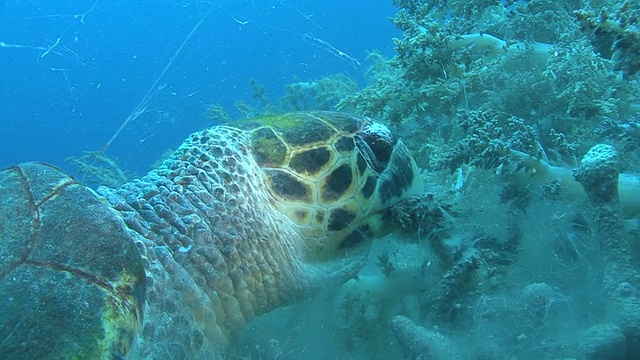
<point x="332" y="173"/>
<point x="68" y="258"/>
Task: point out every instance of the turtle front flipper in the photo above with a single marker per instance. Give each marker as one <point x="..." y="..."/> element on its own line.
<point x="72" y="282"/>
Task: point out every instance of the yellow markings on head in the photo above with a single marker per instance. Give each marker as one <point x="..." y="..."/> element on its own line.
<point x="327" y="171"/>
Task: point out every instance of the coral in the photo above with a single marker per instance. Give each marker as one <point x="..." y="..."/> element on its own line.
<point x="488" y="140"/>
<point x="537" y="20"/>
<point x="528" y="61"/>
<point x="97" y="169"/>
<point x="456" y="284"/>
<point x="616" y="36"/>
<point x="386" y="264"/>
<point x="217" y="113"/>
<point x="260" y="92"/>
<point x="323" y="94"/>
<point x="417" y="342"/>
<point x="512" y="149"/>
<point x="598" y="173"/>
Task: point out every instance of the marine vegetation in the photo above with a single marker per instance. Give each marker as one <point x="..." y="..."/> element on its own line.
<point x="320" y="94"/>
<point x="96" y="169"/>
<point x="538" y="61"/>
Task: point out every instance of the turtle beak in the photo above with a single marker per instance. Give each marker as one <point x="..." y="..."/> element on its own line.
<point x="401" y="178"/>
<point x="376" y="143"/>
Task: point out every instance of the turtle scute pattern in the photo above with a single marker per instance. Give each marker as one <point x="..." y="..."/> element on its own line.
<point x="332" y="174"/>
<point x="67" y="261"/>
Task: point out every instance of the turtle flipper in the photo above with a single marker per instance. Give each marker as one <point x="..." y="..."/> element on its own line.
<point x="72" y="282"/>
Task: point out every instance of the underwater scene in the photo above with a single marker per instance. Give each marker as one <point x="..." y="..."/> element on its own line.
<point x="294" y="179"/>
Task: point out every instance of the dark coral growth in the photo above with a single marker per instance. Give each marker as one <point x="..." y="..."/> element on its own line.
<point x="530" y="60"/>
<point x="97" y="169"/>
<point x="615" y="36"/>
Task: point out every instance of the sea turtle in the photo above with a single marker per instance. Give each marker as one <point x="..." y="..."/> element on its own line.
<point x="241" y="219"/>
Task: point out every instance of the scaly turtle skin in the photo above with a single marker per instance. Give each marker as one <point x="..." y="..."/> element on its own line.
<point x="240" y="220"/>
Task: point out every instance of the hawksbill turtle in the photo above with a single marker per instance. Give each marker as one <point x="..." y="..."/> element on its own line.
<point x="243" y="218"/>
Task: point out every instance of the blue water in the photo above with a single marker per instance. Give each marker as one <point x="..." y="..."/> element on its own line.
<point x="71" y="72"/>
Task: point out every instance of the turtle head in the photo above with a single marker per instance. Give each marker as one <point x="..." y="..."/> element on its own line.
<point x="333" y="175"/>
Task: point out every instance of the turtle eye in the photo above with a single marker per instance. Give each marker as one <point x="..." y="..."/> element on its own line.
<point x="376" y="142"/>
